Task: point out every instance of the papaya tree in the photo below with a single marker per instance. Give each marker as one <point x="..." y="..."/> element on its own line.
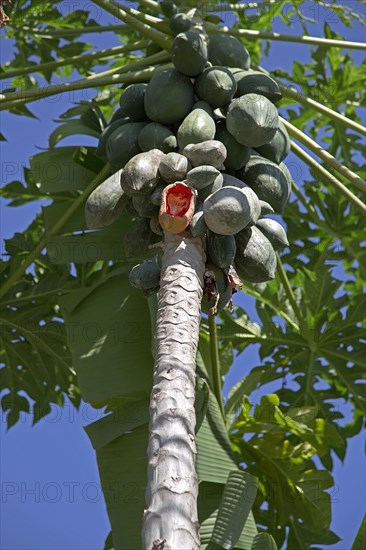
<point x="175" y="199"/>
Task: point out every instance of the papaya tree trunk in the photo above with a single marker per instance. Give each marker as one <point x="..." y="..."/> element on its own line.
<point x="171" y="518"/>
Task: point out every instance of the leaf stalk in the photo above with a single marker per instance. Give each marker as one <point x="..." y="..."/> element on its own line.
<point x="251" y="34"/>
<point x="39" y="67"/>
<point x="215" y="362"/>
<point x="351" y="176"/>
<point x="320" y="170"/>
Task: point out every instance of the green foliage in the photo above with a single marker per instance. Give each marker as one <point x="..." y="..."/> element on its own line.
<point x="66" y="302"/>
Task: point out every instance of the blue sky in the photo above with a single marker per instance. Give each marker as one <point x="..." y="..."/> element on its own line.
<point x="51" y="496"/>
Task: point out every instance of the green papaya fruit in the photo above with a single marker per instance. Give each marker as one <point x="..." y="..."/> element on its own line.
<point x="274" y="232"/>
<point x="216" y="85"/>
<point x="106" y="203"/>
<point x="228" y="51"/>
<point x="179" y="22"/>
<point x="205" y="106"/>
<point x="137" y="238"/>
<point x="266" y="208"/>
<point x="155" y="226"/>
<point x="198" y="225"/>
<point x="144" y="207"/>
<point x="255" y="259"/>
<point x="288" y="176"/>
<point x="268" y="181"/>
<point x="123" y="144"/>
<point x="157" y="194"/>
<point x="255" y="82"/>
<point x="278" y="148"/>
<point x="237" y="154"/>
<point x="157" y="136"/>
<point x="230" y="209"/>
<point x="130" y="207"/>
<point x="132" y="102"/>
<point x="117" y="115"/>
<point x="145" y="276"/>
<point x="168" y="8"/>
<point x="140" y="175"/>
<point x="202" y="176"/>
<point x="211" y="152"/>
<point x="233" y="181"/>
<point x="211" y="188"/>
<point x="221" y="249"/>
<point x="189" y="53"/>
<point x="101" y="149"/>
<point x="169" y="96"/>
<point x="174" y="167"/>
<point x="197" y="126"/>
<point x="252" y="119"/>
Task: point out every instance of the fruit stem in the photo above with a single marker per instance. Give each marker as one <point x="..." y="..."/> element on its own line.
<point x="15" y="276"/>
<point x="324" y="155"/>
<point x="110" y="52"/>
<point x="319" y="170"/>
<point x="215" y="362"/>
<point x="250" y="34"/>
<point x="128" y="16"/>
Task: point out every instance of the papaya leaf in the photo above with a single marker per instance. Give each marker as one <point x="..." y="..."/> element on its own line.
<point x="91" y="246"/>
<point x="128" y="416"/>
<point x="55" y="171"/>
<point x="86" y="158"/>
<point x="360" y="539"/>
<point x="243" y="388"/>
<point x="108" y="545"/>
<point x="123" y="484"/>
<point x="56" y="210"/>
<point x="263" y="541"/>
<point x="237" y="499"/>
<point x="71" y="128"/>
<point x="201" y="401"/>
<point x="209" y="499"/>
<point x="106" y="336"/>
<point x="300" y="537"/>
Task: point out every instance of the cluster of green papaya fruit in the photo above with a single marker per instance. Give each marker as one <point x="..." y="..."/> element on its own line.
<point x="210" y="123"/>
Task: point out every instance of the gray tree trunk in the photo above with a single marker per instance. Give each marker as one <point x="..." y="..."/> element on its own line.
<point x="170" y="518"/>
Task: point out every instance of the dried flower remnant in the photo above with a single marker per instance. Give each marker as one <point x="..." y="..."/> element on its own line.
<point x="4" y="19"/>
